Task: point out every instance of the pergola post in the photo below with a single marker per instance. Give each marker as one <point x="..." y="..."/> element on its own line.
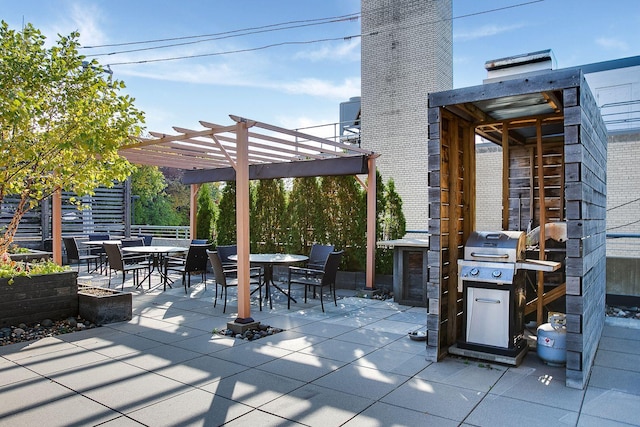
<point x="371" y="224"/>
<point x="193" y="210"/>
<point x="56" y="226"/>
<point x="242" y="221"/>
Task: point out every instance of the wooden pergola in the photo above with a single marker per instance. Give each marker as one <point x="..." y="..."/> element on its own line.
<point x="248" y="150"/>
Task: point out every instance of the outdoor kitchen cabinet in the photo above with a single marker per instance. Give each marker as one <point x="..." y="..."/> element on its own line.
<point x="410" y="270"/>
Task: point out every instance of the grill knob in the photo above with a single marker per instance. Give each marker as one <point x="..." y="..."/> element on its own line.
<point x="474" y="271"/>
<point x="496" y="273"/>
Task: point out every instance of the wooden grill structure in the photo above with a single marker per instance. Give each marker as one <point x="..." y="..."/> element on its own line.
<point x="554" y="148"/>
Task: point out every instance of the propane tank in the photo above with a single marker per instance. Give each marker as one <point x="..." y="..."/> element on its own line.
<point x="552" y="340"/>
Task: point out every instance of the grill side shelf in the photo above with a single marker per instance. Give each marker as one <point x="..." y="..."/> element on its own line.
<point x="538" y="265"/>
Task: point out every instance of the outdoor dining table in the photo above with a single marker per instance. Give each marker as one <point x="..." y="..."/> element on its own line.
<point x="267" y="261"/>
<point x="157" y="253"/>
<point x="96" y="244"/>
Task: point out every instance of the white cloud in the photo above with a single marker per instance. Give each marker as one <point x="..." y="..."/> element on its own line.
<point x="484" y="31"/>
<point x="349" y="50"/>
<point x="612" y="44"/>
<point x="84" y="18"/>
<point x="316" y="87"/>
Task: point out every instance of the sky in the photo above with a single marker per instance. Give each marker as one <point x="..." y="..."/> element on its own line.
<point x="290" y="63"/>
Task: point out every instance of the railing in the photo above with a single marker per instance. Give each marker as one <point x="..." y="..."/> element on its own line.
<point x="168" y="231"/>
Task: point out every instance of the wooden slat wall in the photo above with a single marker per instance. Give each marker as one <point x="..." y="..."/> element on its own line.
<point x="586" y="192"/>
<point x="523" y="185"/>
<point x="452" y="217"/>
<point x="106" y="214"/>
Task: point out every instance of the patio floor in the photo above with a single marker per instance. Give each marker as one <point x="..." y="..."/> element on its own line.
<point x="353" y="365"/>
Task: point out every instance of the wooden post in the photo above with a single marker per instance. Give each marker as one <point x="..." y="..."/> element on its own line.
<point x="371" y="224"/>
<point x="543" y="219"/>
<point x="505" y="176"/>
<point x="56" y="226"/>
<point x="242" y="221"/>
<point x="193" y="210"/>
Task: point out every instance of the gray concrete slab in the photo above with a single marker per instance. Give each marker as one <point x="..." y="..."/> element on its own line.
<point x="352" y="365"/>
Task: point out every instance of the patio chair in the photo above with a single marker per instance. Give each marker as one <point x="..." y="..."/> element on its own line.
<point x="317" y="257"/>
<point x="224" y="252"/>
<point x="133" y="258"/>
<point x="194" y="262"/>
<point x="117" y="262"/>
<point x="96" y="250"/>
<point x="220" y="275"/>
<point x="71" y="246"/>
<point x="316" y="279"/>
<point x="146" y="238"/>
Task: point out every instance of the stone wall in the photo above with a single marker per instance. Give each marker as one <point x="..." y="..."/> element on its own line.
<point x="33" y="299"/>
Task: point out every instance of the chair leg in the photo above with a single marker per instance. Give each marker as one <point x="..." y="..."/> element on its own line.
<point x="335" y="301"/>
<point x="224" y="309"/>
<point x="321" y="303"/>
<point x="289" y="296"/>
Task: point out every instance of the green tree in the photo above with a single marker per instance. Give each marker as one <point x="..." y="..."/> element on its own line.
<point x="394" y="224"/>
<point x="345" y="210"/>
<point x="305" y="215"/>
<point x="153" y="205"/>
<point x="226" y="220"/>
<point x="205" y="213"/>
<point x="267" y="216"/>
<point x="61" y="122"/>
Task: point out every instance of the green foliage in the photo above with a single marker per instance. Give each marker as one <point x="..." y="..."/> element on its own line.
<point x="392" y="226"/>
<point x="147" y="182"/>
<point x="61" y="122"/>
<point x="345" y="210"/>
<point x="205" y="214"/>
<point x="226" y="220"/>
<point x="305" y="225"/>
<point x="268" y="229"/>
<point x="10" y="269"/>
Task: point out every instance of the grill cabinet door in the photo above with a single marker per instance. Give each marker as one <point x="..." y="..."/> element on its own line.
<point x="488" y="316"/>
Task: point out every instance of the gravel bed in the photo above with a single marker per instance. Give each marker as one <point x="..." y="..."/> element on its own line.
<point x="46" y="328"/>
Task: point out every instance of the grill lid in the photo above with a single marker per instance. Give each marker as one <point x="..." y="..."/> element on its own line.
<point x="495" y="246"/>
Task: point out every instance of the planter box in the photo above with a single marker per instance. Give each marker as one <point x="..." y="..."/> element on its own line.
<point x="33" y="299"/>
<point x="103" y="305"/>
<point x="32" y="255"/>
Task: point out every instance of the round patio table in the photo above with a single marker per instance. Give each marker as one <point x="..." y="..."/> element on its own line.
<point x="157" y="253"/>
<point x="267" y="261"/>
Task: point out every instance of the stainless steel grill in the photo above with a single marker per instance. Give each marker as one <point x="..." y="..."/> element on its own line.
<point x="493" y="287"/>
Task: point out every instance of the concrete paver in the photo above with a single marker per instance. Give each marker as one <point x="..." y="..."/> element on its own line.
<point x="352" y="365"/>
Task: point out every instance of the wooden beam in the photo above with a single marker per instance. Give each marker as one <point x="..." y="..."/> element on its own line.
<point x="505" y="176"/>
<point x="371" y="224"/>
<point x="356" y="165"/>
<point x="56" y="226"/>
<point x="543" y="221"/>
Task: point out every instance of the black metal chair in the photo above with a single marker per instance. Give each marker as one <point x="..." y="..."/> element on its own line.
<point x="73" y="253"/>
<point x="316" y="279"/>
<point x="194" y="262"/>
<point x="224" y="252"/>
<point x="98" y="250"/>
<point x="117" y="262"/>
<point x="220" y="274"/>
<point x="318" y="255"/>
<point x="133" y="258"/>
